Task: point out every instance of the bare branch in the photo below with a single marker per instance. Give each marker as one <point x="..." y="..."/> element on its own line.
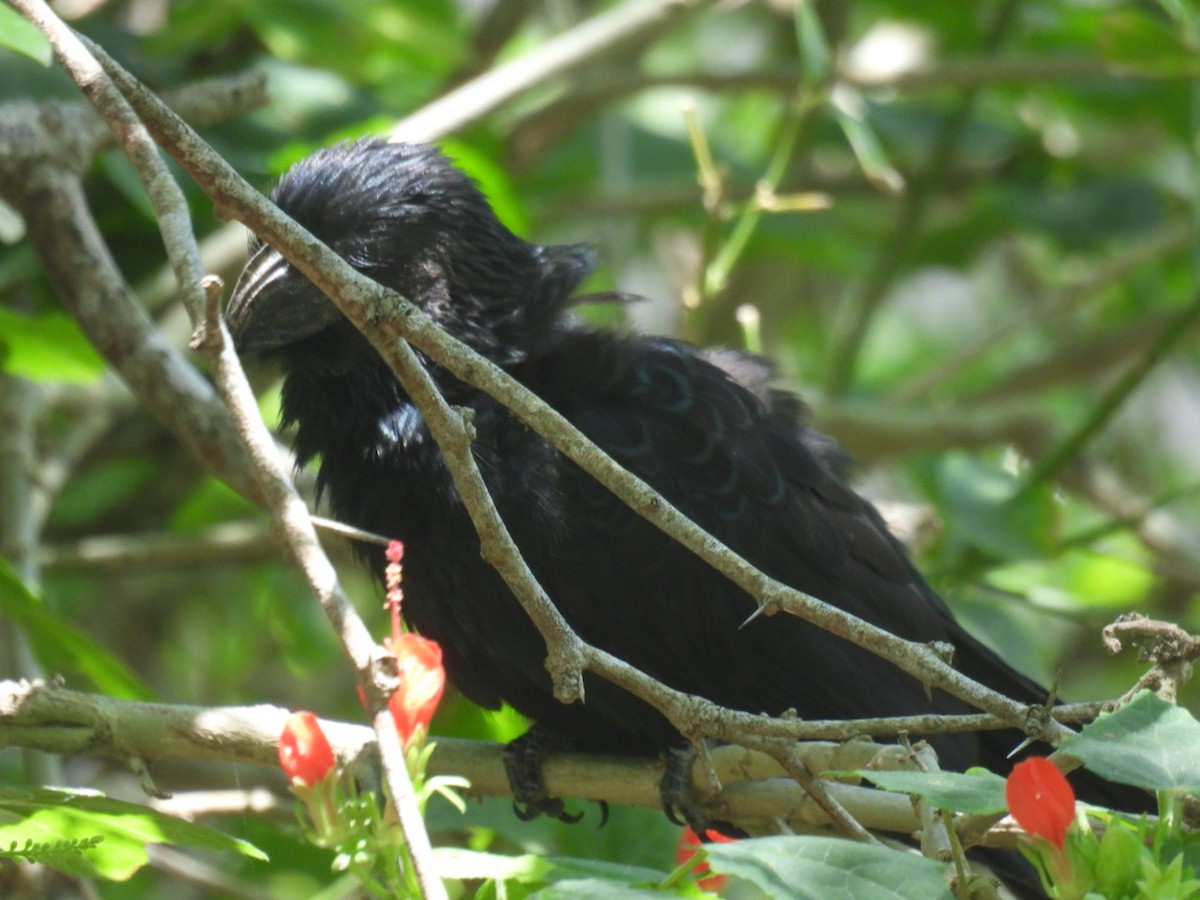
<point x="757" y="791"/>
<point x="1171" y="649"/>
<point x="21" y="408"/>
<point x="886" y="431"/>
<point x="602" y="33"/>
<point x="230" y="543"/>
<point x="43" y="155"/>
<point x="1051" y="312"/>
<point x="914" y="205"/>
<point x="534" y="130"/>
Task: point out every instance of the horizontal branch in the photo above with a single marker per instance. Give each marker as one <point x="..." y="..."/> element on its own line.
<point x="603" y="33"/>
<point x="871" y="432"/>
<point x="230" y="543"/>
<point x="755" y="789"/>
<point x="1079" y="358"/>
<point x="584" y="101"/>
<point x="953" y="74"/>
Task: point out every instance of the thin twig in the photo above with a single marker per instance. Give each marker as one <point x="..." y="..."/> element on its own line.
<point x="583" y="101"/>
<point x="913" y="207"/>
<point x="1079" y="358"/>
<point x="229" y="543"/>
<point x="359" y="534"/>
<point x="786" y="754"/>
<point x="22" y="406"/>
<point x="376" y="669"/>
<point x="1068" y="299"/>
<point x="877" y="431"/>
<point x="171" y="211"/>
<point x="47" y="190"/>
<point x="603" y="33"/>
<point x="1111" y="401"/>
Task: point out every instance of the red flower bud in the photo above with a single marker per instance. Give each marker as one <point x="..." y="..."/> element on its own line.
<point x="422" y="680"/>
<point x="304" y="751"/>
<point x="1040" y="799"/>
<point x="393" y="577"/>
<point x="689" y="841"/>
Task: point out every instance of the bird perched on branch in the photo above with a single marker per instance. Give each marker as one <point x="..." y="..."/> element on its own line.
<point x="704" y="428"/>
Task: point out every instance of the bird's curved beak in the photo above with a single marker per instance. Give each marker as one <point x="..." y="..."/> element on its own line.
<point x="273" y="305"/>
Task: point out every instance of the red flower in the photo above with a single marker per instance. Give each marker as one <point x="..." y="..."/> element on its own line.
<point x="304" y="751"/>
<point x="422" y="680"/>
<point x="689" y="842"/>
<point x="1040" y="799"/>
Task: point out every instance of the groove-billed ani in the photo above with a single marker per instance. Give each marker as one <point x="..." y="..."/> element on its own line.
<point x="703" y="428"/>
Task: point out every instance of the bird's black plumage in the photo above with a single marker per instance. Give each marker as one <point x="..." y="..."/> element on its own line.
<point x="704" y="428"/>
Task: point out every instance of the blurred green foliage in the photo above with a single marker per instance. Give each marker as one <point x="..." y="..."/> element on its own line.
<point x="1042" y="236"/>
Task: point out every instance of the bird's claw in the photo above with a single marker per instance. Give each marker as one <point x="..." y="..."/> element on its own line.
<point x="523" y="760"/>
<point x="679" y="802"/>
<point x="528" y="810"/>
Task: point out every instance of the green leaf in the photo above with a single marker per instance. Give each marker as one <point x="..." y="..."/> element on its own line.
<point x="47" y="348"/>
<point x="456" y="862"/>
<point x="821" y="868"/>
<point x="571" y="866"/>
<point x="985" y="510"/>
<point x="595" y="889"/>
<point x="60" y="647"/>
<point x="48" y="816"/>
<point x="378" y="42"/>
<point x="69" y="856"/>
<point x="1118" y="862"/>
<point x="851" y="112"/>
<point x="453" y="862"/>
<point x="1114" y="578"/>
<point x="1133" y="42"/>
<point x="977" y="793"/>
<point x="19" y="34"/>
<point x="1167" y="882"/>
<point x="1147" y="743"/>
<point x="209" y="502"/>
<point x="102" y="489"/>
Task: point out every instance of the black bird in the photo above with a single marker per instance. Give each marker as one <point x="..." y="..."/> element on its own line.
<point x="702" y="427"/>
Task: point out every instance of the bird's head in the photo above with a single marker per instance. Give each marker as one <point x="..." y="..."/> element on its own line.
<point x="405" y="216"/>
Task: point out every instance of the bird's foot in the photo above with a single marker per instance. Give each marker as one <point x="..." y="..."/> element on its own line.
<point x="679" y="801"/>
<point x="523" y="760"/>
